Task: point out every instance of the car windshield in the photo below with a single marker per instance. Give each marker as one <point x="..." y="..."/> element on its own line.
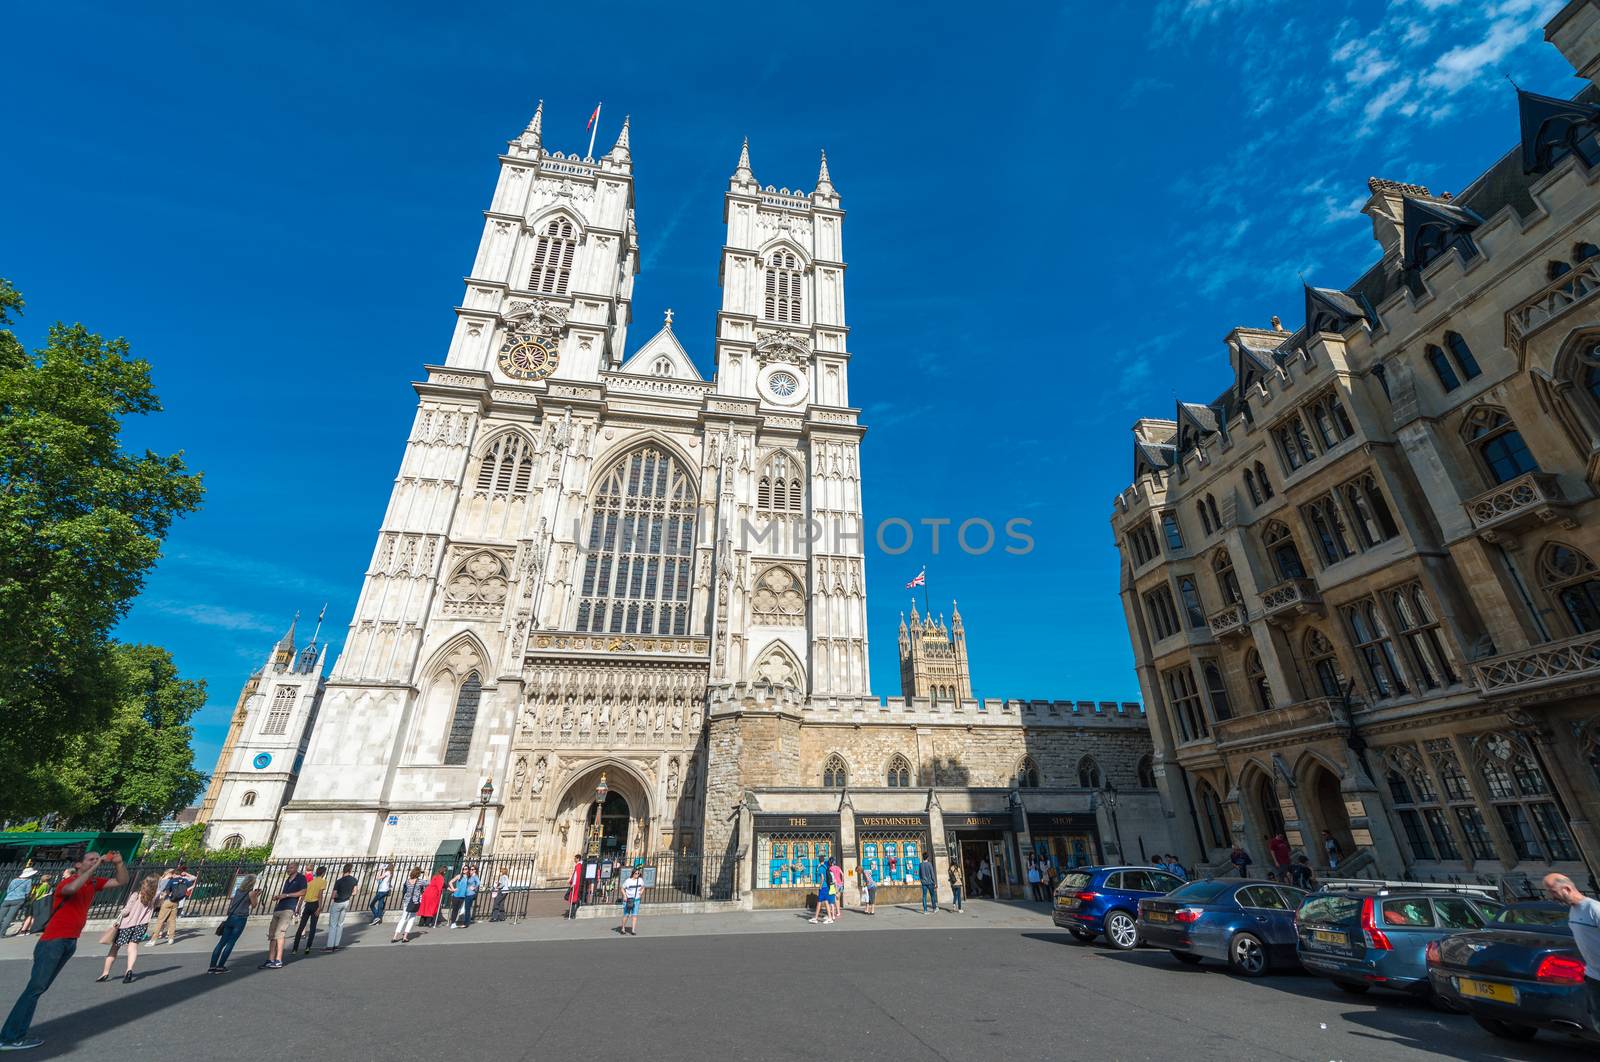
<point x="1531" y="916"/>
<point x="1073" y="882"/>
<point x="1330" y="909"/>
<point x="1201" y="891"/>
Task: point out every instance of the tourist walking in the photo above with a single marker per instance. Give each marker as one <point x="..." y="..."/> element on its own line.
<point x="284" y="905"/>
<point x="956" y="882"/>
<point x="19" y="894"/>
<point x="575" y="888"/>
<point x="1583" y="918"/>
<point x="342" y="890"/>
<point x="502" y="886"/>
<point x="1241" y="860"/>
<point x="380" y="893"/>
<point x="1330" y="846"/>
<point x="174" y="886"/>
<point x="1035" y="880"/>
<point x="410" y="906"/>
<point x="311" y="910"/>
<point x="244" y="897"/>
<point x="930" y="885"/>
<point x="824" y="914"/>
<point x="432" y="897"/>
<point x="869" y="889"/>
<point x="38" y="904"/>
<point x="1300" y="873"/>
<point x="58" y="939"/>
<point x="133" y="925"/>
<point x="632" y="897"/>
<point x="836" y="890"/>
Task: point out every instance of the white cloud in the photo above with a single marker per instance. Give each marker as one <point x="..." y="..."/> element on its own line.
<point x="227" y="619"/>
<point x="1464" y="64"/>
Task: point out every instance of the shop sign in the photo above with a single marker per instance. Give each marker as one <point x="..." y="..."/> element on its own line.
<point x="891" y="822"/>
<point x="978" y="821"/>
<point x="1042" y="822"/>
<point x="768" y="823"/>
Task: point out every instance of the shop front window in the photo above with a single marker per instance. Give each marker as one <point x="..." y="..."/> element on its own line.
<point x="893" y="859"/>
<point x="792" y="860"/>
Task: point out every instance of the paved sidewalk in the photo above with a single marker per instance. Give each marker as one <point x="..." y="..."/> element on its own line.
<point x="979" y="914"/>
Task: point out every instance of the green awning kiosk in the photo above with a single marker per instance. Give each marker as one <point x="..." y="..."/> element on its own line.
<point x="43" y="847"/>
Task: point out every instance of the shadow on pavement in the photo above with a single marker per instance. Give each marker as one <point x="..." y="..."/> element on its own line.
<point x="61" y="1035"/>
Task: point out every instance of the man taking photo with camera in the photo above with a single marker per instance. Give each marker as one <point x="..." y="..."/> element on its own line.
<point x="69" y="910"/>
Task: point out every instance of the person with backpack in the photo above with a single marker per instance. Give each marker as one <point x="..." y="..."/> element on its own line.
<point x="956" y="882"/>
<point x="632" y="897"/>
<point x="174" y="886"/>
<point x="824" y="913"/>
<point x="410" y="906"/>
<point x="232" y="928"/>
<point x="58" y="939"/>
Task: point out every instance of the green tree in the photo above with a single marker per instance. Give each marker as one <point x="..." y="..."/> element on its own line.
<point x="81" y="523"/>
<point x="138" y="767"/>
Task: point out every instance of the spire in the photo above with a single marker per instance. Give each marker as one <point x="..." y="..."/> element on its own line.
<point x="742" y="174"/>
<point x="287" y="641"/>
<point x="533" y="135"/>
<point x="914" y="617"/>
<point x="903" y="623"/>
<point x="955" y="615"/>
<point x="824" y="183"/>
<point x="619" y="153"/>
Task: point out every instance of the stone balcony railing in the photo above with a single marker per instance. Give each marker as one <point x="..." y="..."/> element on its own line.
<point x="1318" y="712"/>
<point x="1542" y="665"/>
<point x="1553" y="302"/>
<point x="1227" y="622"/>
<point x="1530" y="500"/>
<point x="1290" y="596"/>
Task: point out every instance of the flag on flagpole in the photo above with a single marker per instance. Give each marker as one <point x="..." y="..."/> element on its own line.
<point x="595" y="117"/>
<point x="921" y="579"/>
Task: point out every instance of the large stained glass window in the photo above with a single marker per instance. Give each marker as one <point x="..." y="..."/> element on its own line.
<point x="640" y="552"/>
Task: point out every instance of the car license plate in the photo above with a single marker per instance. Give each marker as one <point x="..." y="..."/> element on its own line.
<point x="1491" y="990"/>
<point x="1322" y="936"/>
<point x="1157" y="916"/>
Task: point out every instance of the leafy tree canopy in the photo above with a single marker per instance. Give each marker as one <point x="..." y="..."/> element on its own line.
<point x="81" y="524"/>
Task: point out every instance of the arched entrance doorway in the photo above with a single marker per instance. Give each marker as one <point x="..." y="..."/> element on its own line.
<point x="625" y="818"/>
<point x="614" y="822"/>
<point x="1268" y="809"/>
<point x="1327" y="804"/>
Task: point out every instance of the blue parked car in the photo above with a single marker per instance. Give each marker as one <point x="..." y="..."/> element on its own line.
<point x="1364" y="937"/>
<point x="1090" y="901"/>
<point x="1247" y="924"/>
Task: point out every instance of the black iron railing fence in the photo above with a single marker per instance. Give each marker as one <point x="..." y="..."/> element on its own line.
<point x="672" y="878"/>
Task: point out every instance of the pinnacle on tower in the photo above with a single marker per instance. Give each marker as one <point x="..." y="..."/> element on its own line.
<point x="287" y="641"/>
<point x="824" y="183"/>
<point x="535" y="131"/>
<point x="743" y="172"/>
<point x="619" y="154"/>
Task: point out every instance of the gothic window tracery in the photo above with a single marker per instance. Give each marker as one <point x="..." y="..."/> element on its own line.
<point x="506" y="467"/>
<point x="779" y="597"/>
<point x="278" y="715"/>
<point x="1256" y="672"/>
<point x="1419" y="629"/>
<point x="784" y="279"/>
<point x="1498" y="444"/>
<point x="637" y="568"/>
<point x="1373" y="645"/>
<point x="1281" y="550"/>
<point x="1416" y="801"/>
<point x="1521" y="798"/>
<point x="478" y="586"/>
<point x="834" y="775"/>
<point x="1227" y="580"/>
<point x="780" y="489"/>
<point x="552" y="258"/>
<point x="233" y="841"/>
<point x="1217" y="690"/>
<point x="1571" y="579"/>
<point x="899" y="773"/>
<point x="458" y="736"/>
<point x="1089" y="776"/>
<point x="1027" y="774"/>
<point x="1263" y="482"/>
<point x="1324" y="663"/>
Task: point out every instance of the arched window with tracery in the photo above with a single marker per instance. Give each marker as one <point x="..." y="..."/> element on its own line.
<point x="1217" y="690"/>
<point x="232" y="841"/>
<point x="784" y="278"/>
<point x="248" y="800"/>
<point x="1498" y="444"/>
<point x="1324" y="662"/>
<point x="834" y="774"/>
<point x="1572" y="581"/>
<point x="781" y="490"/>
<point x="1211" y="815"/>
<point x="1089" y="776"/>
<point x="1028" y="774"/>
<point x="1416" y="801"/>
<point x="1256" y="673"/>
<point x="1589" y="358"/>
<point x="640" y="551"/>
<point x="506" y="466"/>
<point x="1281" y="550"/>
<point x="1263" y="482"/>
<point x="1419" y="630"/>
<point x="282" y="707"/>
<point x="1521" y="798"/>
<point x="1227" y="581"/>
<point x="458" y="738"/>
<point x="899" y="773"/>
<point x="552" y="258"/>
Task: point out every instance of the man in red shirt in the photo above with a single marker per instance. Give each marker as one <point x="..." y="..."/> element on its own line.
<point x="69" y="910"/>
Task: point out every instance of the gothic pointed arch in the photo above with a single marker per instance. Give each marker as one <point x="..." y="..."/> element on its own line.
<point x="556" y="236"/>
<point x="835" y="772"/>
<point x="781" y="485"/>
<point x="477" y="585"/>
<point x="777" y="665"/>
<point x="541" y="218"/>
<point x="779" y="597"/>
<point x="639" y="547"/>
<point x="1027" y="775"/>
<point x="504" y="463"/>
<point x="784" y="243"/>
<point x="899" y="774"/>
<point x="1089" y="774"/>
<point x="1310" y="759"/>
<point x="1572" y="582"/>
<point x="1554" y="128"/>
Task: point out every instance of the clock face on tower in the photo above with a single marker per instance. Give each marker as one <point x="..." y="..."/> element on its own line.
<point x="531" y="358"/>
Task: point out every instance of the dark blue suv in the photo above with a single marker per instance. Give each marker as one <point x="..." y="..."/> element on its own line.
<point x="1090" y="901"/>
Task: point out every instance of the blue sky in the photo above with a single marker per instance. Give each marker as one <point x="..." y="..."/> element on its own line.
<point x="1055" y="215"/>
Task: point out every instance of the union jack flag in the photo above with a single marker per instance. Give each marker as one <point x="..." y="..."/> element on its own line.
<point x="921" y="579"/>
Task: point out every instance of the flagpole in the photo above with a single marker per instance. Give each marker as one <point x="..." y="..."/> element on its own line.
<point x="927" y="608"/>
<point x="594" y="127"/>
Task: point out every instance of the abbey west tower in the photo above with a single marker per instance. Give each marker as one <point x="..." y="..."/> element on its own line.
<point x="580" y="542"/>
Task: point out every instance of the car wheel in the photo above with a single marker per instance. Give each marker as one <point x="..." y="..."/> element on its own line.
<point x="1506" y="1030"/>
<point x="1355" y="988"/>
<point x="1083" y="936"/>
<point x="1247" y="955"/>
<point x="1122" y="932"/>
<point x="1187" y="958"/>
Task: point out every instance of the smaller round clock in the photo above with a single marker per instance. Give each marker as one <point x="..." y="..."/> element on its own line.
<point x="783" y="384"/>
<point x="262" y="760"/>
<point x="529" y="359"/>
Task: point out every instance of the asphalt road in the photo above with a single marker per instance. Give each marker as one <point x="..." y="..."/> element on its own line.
<point x="931" y="990"/>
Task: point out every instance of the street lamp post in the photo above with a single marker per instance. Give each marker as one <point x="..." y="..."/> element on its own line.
<point x="1109" y="795"/>
<point x="596" y="836"/>
<point x="485" y="794"/>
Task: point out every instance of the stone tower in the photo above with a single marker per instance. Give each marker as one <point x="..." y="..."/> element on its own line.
<point x="933" y="657"/>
